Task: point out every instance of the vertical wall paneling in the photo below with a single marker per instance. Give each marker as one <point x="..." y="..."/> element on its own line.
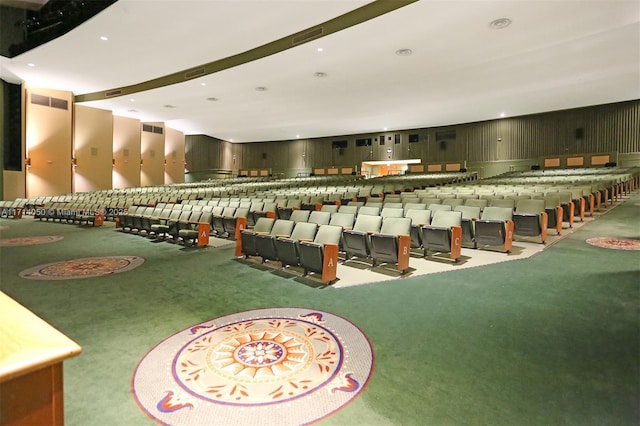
<point x="92" y="148"/>
<point x="173" y="156"/>
<point x="152" y="154"/>
<point x="48" y="134"/>
<point x="126" y="152"/>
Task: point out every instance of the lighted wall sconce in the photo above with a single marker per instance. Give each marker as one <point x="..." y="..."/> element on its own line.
<point x="27" y="161"/>
<point x="74" y="161"/>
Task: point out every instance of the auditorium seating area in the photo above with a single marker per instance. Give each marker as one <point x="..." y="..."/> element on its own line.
<point x="381" y="223"/>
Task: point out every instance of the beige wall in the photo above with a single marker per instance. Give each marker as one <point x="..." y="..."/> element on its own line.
<point x="93" y="149"/>
<point x="48" y="144"/>
<point x="173" y="156"/>
<point x="126" y="152"/>
<point x="152" y="156"/>
<point x="14" y="185"/>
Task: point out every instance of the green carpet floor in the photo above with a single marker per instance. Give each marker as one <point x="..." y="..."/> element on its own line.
<point x="551" y="340"/>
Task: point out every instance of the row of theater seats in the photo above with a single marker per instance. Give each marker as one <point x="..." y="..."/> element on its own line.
<point x="386" y="233"/>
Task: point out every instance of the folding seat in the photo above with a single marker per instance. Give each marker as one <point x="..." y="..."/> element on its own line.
<point x="568" y="208"/>
<point x="530" y="219"/>
<point x="300" y="215"/>
<point x="136" y="225"/>
<point x="419" y="218"/>
<point x="161" y="227"/>
<point x="393" y="243"/>
<point x="469" y="215"/>
<point x="319" y="218"/>
<point x="392" y="204"/>
<point x="579" y="203"/>
<point x="218" y="221"/>
<point x="314" y="203"/>
<point x="445" y="196"/>
<point x="173" y="226"/>
<point x="349" y="196"/>
<point x="235" y="223"/>
<point x="286" y="248"/>
<point x="321" y="255"/>
<point x="436" y="207"/>
<point x="196" y="233"/>
<point x="344" y="220"/>
<point x="268" y="210"/>
<point x="444" y="234"/>
<point x="392" y="212"/>
<point x="256" y="206"/>
<point x="356" y="242"/>
<point x="495" y="228"/>
<point x="265" y="243"/>
<point x="245" y="245"/>
<point x="467" y="196"/>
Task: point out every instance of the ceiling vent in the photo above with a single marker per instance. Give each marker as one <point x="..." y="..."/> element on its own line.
<point x="309" y="35"/>
<point x="112" y="93"/>
<point x="194" y="73"/>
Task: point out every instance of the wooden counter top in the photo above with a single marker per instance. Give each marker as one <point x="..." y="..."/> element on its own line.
<point x="27" y="342"/>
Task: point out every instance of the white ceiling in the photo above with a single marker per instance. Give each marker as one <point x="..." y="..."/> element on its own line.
<point x="556" y="54"/>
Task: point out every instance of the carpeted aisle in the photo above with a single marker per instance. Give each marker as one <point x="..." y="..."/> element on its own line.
<point x="544" y="341"/>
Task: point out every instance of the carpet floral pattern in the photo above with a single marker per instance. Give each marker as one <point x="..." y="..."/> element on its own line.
<point x="614" y="243"/>
<point x="269" y="366"/>
<point x="83" y="268"/>
<point x="29" y="241"/>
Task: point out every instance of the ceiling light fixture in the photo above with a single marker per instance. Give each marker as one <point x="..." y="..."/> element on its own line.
<point x="320" y="49"/>
<point x="500" y="23"/>
<point x="132" y="110"/>
<point x="203" y="84"/>
<point x="212" y="99"/>
<point x="169" y="106"/>
<point x="31" y="64"/>
<point x="261" y="89"/>
<point x="104" y="38"/>
<point x="404" y="52"/>
<point x="320" y="74"/>
<point x="502" y="114"/>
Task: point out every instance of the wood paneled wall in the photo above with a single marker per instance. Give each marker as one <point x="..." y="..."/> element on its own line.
<point x="93" y="149"/>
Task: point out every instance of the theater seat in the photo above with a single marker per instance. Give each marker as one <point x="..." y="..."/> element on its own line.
<point x="393" y="243"/>
<point x="495" y="228"/>
<point x="195" y="234"/>
<point x="469" y="215"/>
<point x="419" y="218"/>
<point x="444" y="234"/>
<point x="287" y="248"/>
<point x="356" y="242"/>
<point x="530" y="219"/>
<point x="265" y="244"/>
<point x="321" y="255"/>
<point x="246" y="243"/>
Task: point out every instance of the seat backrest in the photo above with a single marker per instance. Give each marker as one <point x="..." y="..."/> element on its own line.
<point x="439" y="207"/>
<point x="502" y="202"/>
<point x="319" y="218"/>
<point x="241" y="212"/>
<point x="452" y="202"/>
<point x="300" y="215"/>
<point x="344" y="220"/>
<point x="370" y="210"/>
<point x="205" y="217"/>
<point x="430" y="200"/>
<point x="482" y="203"/>
<point x="217" y="210"/>
<point x="294" y="202"/>
<point x="446" y="219"/>
<point x="256" y="206"/>
<point x="367" y="223"/>
<point x="228" y="211"/>
<point x="391" y="204"/>
<point x="396" y="226"/>
<point x="551" y="201"/>
<point x="184" y="216"/>
<point x="282" y="227"/>
<point x="195" y="216"/>
<point x="331" y="208"/>
<point x="414" y="206"/>
<point x="497" y="213"/>
<point x="348" y="209"/>
<point x="419" y="217"/>
<point x="304" y="231"/>
<point x="530" y="206"/>
<point x="392" y="212"/>
<point x="468" y="212"/>
<point x="328" y="234"/>
<point x="264" y="225"/>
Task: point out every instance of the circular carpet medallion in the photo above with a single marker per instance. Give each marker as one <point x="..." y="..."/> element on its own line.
<point x="614" y="243"/>
<point x="83" y="268"/>
<point x="29" y="241"/>
<point x="279" y="366"/>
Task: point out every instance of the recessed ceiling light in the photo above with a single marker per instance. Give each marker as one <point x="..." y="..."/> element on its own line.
<point x="320" y="74"/>
<point x="132" y="100"/>
<point x="385" y="129"/>
<point x="261" y="89"/>
<point x="500" y="23"/>
<point x="230" y="140"/>
<point x="212" y="99"/>
<point x="502" y="114"/>
<point x="31" y="64"/>
<point x="203" y="84"/>
<point x="104" y="38"/>
<point x="297" y="136"/>
<point x="320" y="49"/>
<point x="169" y="106"/>
<point x="404" y="52"/>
